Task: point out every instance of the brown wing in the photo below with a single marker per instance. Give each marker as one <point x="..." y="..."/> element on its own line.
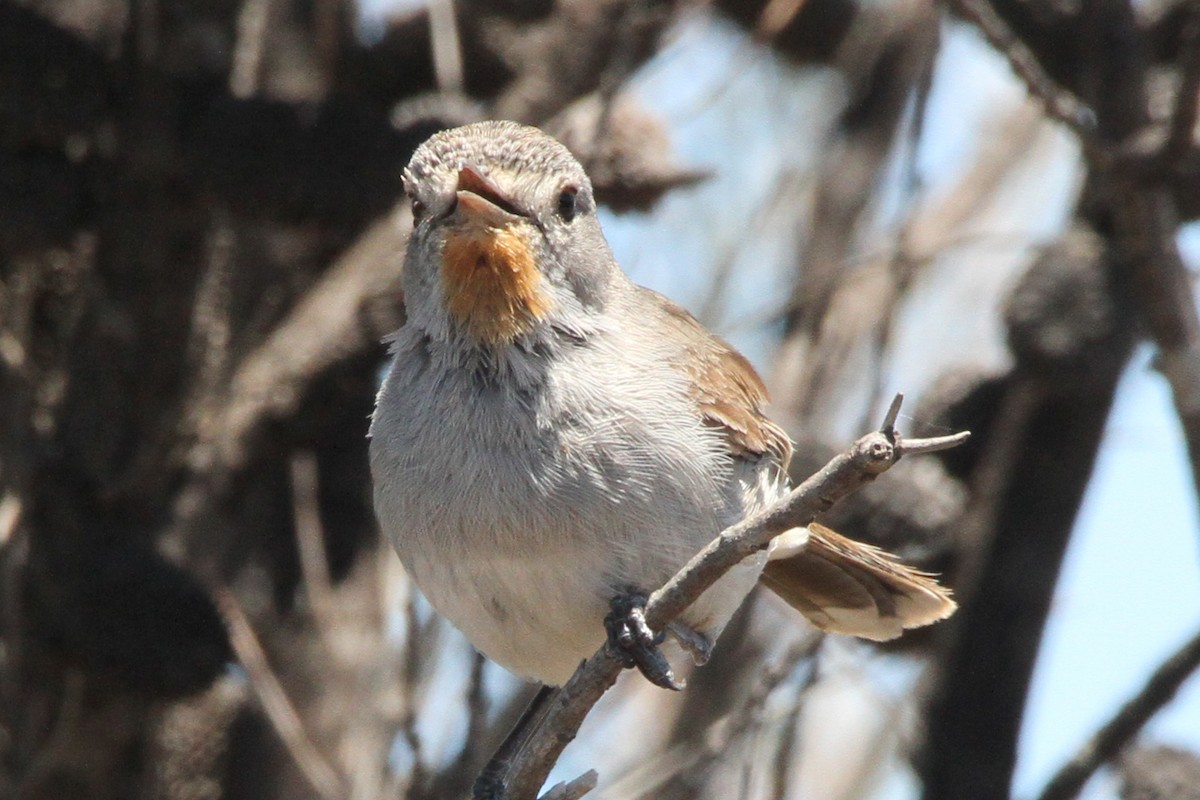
<point x="728" y="392"/>
<point x="839" y="584"/>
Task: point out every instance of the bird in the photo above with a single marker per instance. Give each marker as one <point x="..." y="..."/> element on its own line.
<point x="552" y="442"/>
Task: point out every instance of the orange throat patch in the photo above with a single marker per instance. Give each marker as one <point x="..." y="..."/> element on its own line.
<point x="490" y="278"/>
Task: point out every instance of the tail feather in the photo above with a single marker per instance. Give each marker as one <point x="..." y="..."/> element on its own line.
<point x="844" y="586"/>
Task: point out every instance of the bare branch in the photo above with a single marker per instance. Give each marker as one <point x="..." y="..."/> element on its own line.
<point x="932" y="445"/>
<point x="1147" y="223"/>
<point x="574" y="789"/>
<point x="870" y="456"/>
<point x="279" y="710"/>
<point x="310" y="541"/>
<point x="253" y="34"/>
<point x="893" y="413"/>
<point x="867" y="458"/>
<point x="1059" y="103"/>
<point x="1127" y="723"/>
<point x="1180" y="133"/>
<point x="325" y="327"/>
<point x="1145" y="215"/>
<point x="447" y="47"/>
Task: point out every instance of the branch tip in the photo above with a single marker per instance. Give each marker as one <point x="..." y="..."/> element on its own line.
<point x="574" y="789"/>
<point x="893" y="413"/>
<point x="931" y="445"/>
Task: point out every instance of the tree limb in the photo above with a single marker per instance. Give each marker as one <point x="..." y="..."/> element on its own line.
<point x="1060" y="104"/>
<point x="1180" y="138"/>
<point x="1134" y="206"/>
<point x="1126" y="723"/>
<point x="323" y="328"/>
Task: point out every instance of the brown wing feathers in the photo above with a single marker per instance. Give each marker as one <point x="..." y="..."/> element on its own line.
<point x="728" y="392"/>
<point x="840" y="585"/>
<point x="844" y="586"/>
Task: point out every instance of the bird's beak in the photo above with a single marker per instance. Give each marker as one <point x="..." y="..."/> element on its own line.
<point x="481" y="199"/>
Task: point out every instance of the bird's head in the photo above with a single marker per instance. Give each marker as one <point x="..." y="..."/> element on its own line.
<point x="505" y="238"/>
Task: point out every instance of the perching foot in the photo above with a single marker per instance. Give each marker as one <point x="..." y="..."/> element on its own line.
<point x="632" y="643"/>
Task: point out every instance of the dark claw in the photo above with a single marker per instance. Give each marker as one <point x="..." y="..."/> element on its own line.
<point x="633" y="644"/>
<point x="698" y="646"/>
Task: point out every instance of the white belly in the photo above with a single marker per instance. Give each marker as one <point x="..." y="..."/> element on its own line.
<point x="533" y="615"/>
<point x="519" y="523"/>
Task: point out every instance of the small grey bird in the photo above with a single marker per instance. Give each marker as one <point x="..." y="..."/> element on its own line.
<point x="551" y="436"/>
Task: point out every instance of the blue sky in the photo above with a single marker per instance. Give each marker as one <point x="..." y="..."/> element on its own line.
<point x="1130" y="589"/>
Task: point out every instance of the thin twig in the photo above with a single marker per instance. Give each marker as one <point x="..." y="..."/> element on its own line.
<point x="777" y="15"/>
<point x="1059" y="103"/>
<point x="310" y="541"/>
<point x="1181" y="130"/>
<point x="477" y="711"/>
<point x="892" y="414"/>
<point x="867" y="458"/>
<point x="575" y="789"/>
<point x="410" y="679"/>
<point x="933" y="444"/>
<point x="275" y="703"/>
<point x="1126" y="723"/>
<point x="447" y="47"/>
<point x="253" y="32"/>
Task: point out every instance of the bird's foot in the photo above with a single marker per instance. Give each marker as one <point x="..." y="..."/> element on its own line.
<point x="633" y="644"/>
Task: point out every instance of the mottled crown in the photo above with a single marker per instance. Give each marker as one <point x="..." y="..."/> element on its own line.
<point x="500" y="143"/>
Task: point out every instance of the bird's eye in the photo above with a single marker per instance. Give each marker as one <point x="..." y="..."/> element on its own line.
<point x="418" y="209"/>
<point x="568" y="203"/>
